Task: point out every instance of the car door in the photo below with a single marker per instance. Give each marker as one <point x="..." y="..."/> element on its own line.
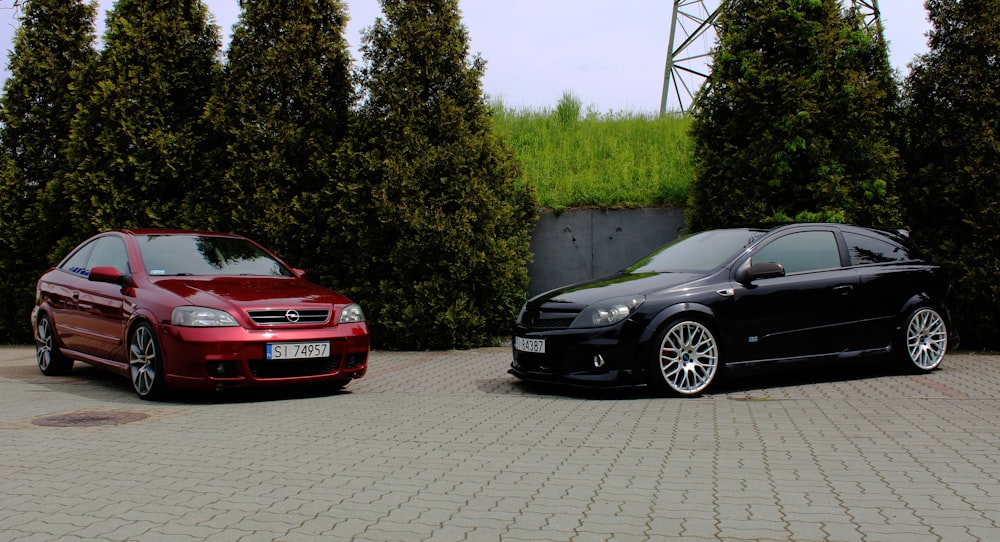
<point x="807" y="312"/>
<point x="62" y="293"/>
<point x="101" y="305"/>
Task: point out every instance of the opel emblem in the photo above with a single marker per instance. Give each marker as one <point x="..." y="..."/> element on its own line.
<point x="292" y="315"/>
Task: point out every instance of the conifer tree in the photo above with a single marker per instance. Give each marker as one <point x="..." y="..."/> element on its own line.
<point x="53" y="47"/>
<point x="139" y="140"/>
<point x="797" y="119"/>
<point x="281" y="114"/>
<point x="448" y="217"/>
<point x="953" y="157"/>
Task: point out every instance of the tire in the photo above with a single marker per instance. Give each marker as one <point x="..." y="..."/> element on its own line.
<point x="145" y="363"/>
<point x="925" y="340"/>
<point x="686" y="359"/>
<point x="50" y="360"/>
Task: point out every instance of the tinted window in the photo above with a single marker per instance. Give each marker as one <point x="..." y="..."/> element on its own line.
<point x="206" y="255"/>
<point x="76" y="263"/>
<point x="103" y="251"/>
<point x="109" y="251"/>
<point x="701" y="252"/>
<point x="802" y="251"/>
<point x="868" y="250"/>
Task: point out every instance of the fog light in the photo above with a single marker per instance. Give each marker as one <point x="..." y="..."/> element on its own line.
<point x="222" y="369"/>
<point x="598" y="361"/>
<point x="356" y="360"/>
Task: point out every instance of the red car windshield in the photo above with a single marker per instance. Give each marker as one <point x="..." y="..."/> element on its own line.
<point x="206" y="255"/>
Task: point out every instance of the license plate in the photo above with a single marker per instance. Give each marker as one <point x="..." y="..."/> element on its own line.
<point x="317" y="349"/>
<point x="534" y="346"/>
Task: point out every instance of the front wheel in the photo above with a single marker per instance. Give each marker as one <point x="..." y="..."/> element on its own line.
<point x="925" y="339"/>
<point x="145" y="363"/>
<point x="686" y="360"/>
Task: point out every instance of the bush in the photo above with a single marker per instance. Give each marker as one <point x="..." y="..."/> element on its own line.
<point x="953" y="159"/>
<point x="795" y="121"/>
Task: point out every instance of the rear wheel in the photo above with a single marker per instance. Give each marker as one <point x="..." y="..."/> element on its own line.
<point x="145" y="363"/>
<point x="50" y="360"/>
<point x="925" y="339"/>
<point x="686" y="359"/>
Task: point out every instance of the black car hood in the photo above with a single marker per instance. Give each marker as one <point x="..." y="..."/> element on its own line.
<point x="624" y="284"/>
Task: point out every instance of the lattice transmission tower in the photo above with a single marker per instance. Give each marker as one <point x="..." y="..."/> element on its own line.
<point x="692" y="39"/>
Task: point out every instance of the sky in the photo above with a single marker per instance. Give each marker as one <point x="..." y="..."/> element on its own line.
<point x="611" y="58"/>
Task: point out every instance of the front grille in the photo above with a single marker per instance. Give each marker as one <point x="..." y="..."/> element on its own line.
<point x="547" y="320"/>
<point x="554" y="323"/>
<point x="284" y="317"/>
<point x="262" y="368"/>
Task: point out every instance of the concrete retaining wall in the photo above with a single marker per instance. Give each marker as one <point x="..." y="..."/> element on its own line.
<point x="581" y="244"/>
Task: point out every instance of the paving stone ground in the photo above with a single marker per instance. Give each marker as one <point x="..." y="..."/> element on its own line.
<point x="445" y="446"/>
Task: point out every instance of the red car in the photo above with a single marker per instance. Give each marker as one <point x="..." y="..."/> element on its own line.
<point x="179" y="309"/>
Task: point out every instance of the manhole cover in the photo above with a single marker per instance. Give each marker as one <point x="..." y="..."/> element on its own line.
<point x="89" y="419"/>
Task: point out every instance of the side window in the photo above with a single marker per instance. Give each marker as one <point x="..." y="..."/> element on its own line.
<point x="109" y="251"/>
<point x="868" y="250"/>
<point x="802" y="251"/>
<point x="76" y="263"/>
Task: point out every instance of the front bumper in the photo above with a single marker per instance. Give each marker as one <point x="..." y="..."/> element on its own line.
<point x="213" y="358"/>
<point x="597" y="357"/>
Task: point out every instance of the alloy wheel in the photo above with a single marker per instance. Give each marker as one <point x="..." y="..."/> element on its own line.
<point x="926" y="339"/>
<point x="143" y="360"/>
<point x="43" y="344"/>
<point x="689" y="357"/>
<point x="50" y="360"/>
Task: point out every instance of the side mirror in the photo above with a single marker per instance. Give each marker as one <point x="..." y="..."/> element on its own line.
<point x="763" y="270"/>
<point x="108" y="274"/>
<point x="300" y="273"/>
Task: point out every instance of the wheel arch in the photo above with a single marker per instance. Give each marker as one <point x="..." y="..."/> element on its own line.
<point x="672" y="312"/>
<point x="136" y="319"/>
<point x="37" y="312"/>
<point x="660" y="325"/>
<point x="915" y="302"/>
<point x="696" y="311"/>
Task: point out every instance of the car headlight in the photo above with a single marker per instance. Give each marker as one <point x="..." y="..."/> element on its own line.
<point x="352" y="313"/>
<point x="608" y="312"/>
<point x="201" y="317"/>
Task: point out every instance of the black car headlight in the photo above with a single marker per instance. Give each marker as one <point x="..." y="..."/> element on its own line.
<point x="608" y="312"/>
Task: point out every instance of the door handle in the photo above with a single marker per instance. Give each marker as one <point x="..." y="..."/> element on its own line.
<point x="843" y="289"/>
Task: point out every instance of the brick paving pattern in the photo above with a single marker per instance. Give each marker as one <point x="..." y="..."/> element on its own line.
<point x="446" y="446"/>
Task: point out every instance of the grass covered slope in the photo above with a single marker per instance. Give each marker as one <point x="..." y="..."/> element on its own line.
<point x="608" y="160"/>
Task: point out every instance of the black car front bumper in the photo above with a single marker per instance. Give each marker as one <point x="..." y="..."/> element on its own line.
<point x="596" y="357"/>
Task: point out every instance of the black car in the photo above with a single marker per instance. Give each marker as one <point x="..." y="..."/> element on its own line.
<point x="742" y="297"/>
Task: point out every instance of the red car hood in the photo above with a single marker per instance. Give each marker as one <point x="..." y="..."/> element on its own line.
<point x="249" y="292"/>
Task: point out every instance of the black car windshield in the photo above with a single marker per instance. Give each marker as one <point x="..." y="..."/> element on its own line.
<point x="178" y="254"/>
<point x="701" y="252"/>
